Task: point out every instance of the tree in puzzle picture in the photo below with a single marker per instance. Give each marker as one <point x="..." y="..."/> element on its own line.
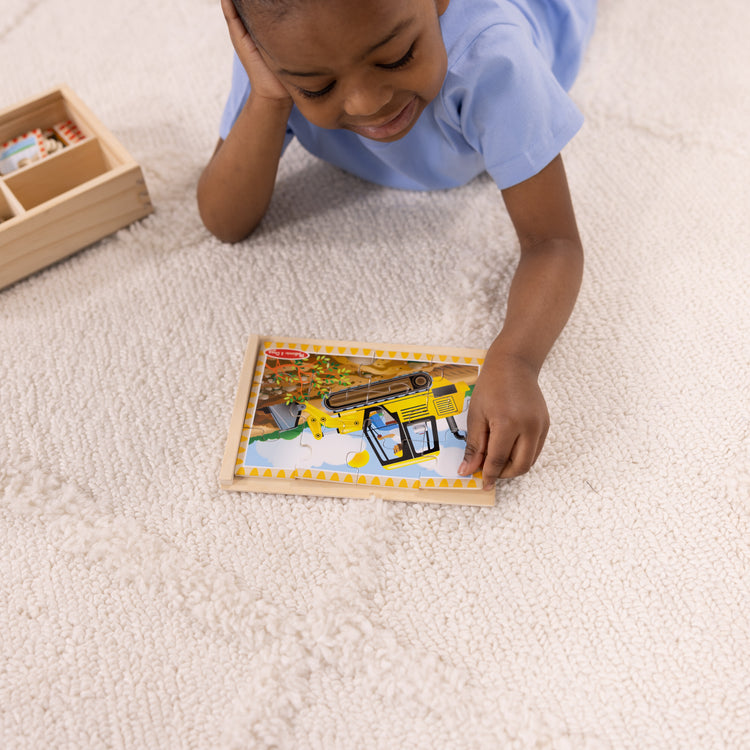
<point x="357" y="415"/>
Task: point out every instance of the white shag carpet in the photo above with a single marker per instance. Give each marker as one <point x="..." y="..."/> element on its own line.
<point x="602" y="603"/>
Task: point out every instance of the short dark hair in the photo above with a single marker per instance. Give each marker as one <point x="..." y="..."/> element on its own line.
<point x="273" y="10"/>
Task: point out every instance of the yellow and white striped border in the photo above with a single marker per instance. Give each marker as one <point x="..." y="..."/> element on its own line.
<point x="264" y="472"/>
<point x="452" y="483"/>
<point x="371" y="480"/>
<point x="352" y="350"/>
<point x="252" y="404"/>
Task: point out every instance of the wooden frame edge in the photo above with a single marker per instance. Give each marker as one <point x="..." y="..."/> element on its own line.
<point x="227" y="476"/>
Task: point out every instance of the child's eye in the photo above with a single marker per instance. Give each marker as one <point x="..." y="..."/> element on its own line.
<point x="405" y="60"/>
<point x="402" y="62"/>
<point x="315" y="94"/>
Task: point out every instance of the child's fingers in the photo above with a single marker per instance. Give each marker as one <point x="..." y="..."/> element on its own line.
<point x="476" y="446"/>
<point x="472" y="461"/>
<point x="264" y="83"/>
<point x="540" y="442"/>
<point x="237" y="31"/>
<point x="499" y="450"/>
<point x="526" y="450"/>
<point x="521" y="458"/>
<point x="229" y="11"/>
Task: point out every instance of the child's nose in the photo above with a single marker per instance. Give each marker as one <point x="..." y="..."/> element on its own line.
<point x="366" y="97"/>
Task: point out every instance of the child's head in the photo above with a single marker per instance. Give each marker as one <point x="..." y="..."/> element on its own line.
<point x="370" y="66"/>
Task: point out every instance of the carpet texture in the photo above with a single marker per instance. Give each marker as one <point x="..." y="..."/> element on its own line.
<point x="603" y="603"/>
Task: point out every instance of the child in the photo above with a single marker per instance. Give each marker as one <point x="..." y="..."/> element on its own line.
<point x="424" y="94"/>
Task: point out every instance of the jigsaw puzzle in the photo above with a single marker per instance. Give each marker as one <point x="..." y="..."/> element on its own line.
<point x="349" y="419"/>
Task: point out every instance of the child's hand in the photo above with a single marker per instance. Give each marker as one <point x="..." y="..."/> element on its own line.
<point x="262" y="81"/>
<point x="507" y="421"/>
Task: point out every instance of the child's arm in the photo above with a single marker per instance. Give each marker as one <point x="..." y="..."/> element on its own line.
<point x="508" y="418"/>
<point x="236" y="186"/>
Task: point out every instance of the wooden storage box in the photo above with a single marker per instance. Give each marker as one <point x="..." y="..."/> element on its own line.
<point x="59" y="204"/>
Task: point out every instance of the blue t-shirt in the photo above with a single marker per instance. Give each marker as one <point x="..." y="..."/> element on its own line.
<point x="503" y="107"/>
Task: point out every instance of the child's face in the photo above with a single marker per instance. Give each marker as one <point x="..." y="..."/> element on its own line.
<point x="369" y="66"/>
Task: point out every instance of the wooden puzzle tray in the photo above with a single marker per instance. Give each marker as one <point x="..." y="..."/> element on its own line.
<point x="353" y="419"/>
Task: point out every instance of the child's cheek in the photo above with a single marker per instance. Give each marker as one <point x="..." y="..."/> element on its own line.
<point x="319" y="113"/>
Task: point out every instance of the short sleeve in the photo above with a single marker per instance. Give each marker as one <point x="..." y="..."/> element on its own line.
<point x="510" y="106"/>
<point x="236" y="101"/>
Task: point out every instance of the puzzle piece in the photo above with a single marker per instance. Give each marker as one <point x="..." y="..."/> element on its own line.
<point x="331" y="458"/>
<point x="383" y="428"/>
<point x="383" y="444"/>
<point x="286" y="416"/>
<point x="443" y="472"/>
<point x="358" y="460"/>
<point x="365" y="366"/>
<point x="269" y="456"/>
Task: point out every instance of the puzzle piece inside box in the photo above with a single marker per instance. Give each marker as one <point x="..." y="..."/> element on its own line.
<point x="358" y="417"/>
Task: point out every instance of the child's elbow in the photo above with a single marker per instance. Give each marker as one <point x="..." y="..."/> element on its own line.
<point x="219" y="224"/>
<point x="229" y="235"/>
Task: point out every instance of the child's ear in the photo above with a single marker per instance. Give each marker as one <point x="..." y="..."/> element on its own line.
<point x="441" y="6"/>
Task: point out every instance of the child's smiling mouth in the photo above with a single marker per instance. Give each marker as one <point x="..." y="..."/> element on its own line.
<point x="392" y="128"/>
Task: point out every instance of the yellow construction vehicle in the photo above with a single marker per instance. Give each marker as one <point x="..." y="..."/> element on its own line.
<point x="397" y="416"/>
